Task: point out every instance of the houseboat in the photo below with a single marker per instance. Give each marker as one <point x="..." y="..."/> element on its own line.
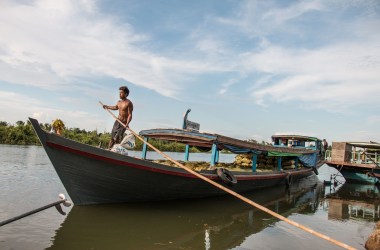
<point x="358" y="162"/>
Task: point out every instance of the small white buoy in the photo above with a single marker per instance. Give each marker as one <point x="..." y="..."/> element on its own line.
<point x="62" y="196"/>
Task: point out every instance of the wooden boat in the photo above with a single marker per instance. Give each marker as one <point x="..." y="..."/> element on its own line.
<point x="358" y="162"/>
<point x="92" y="175"/>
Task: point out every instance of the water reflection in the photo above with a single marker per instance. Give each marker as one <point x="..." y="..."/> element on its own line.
<point x="354" y="201"/>
<point x="217" y="223"/>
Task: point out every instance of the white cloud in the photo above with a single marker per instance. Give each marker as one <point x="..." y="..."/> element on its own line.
<point x="46" y="45"/>
<point x="262" y="18"/>
<point x="18" y="106"/>
<point x="333" y="78"/>
<point x="229" y="83"/>
<point x="281" y="15"/>
<point x="50" y="45"/>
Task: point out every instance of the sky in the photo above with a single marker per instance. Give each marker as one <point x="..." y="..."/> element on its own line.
<point x="247" y="69"/>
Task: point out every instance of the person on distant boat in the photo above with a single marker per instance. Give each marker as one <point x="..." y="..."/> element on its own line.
<point x="325" y="144"/>
<point x="323" y="148"/>
<point x="125" y="107"/>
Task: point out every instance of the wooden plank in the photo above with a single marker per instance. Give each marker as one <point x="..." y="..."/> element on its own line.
<point x="341" y="151"/>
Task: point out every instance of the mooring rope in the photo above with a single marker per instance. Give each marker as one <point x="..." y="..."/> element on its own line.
<point x="291" y="222"/>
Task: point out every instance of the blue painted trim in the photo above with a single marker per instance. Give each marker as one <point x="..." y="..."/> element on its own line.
<point x="217" y="156"/>
<point x="352" y="176"/>
<point x="279" y="163"/>
<point x="254" y="162"/>
<point x="145" y="149"/>
<point x="213" y="154"/>
<point x="187" y="153"/>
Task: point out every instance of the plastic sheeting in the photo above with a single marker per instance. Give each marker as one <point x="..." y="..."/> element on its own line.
<point x="277" y="154"/>
<point x="309" y="160"/>
<point x="238" y="150"/>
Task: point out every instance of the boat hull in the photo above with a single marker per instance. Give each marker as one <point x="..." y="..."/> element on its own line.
<point x="353" y="173"/>
<point x="93" y="175"/>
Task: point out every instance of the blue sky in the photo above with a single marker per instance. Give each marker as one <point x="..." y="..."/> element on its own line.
<point x="247" y="69"/>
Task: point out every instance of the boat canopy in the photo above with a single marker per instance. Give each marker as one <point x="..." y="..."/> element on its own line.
<point x="207" y="140"/>
<point x="295" y="137"/>
<point x="300" y="138"/>
<point x="370" y="145"/>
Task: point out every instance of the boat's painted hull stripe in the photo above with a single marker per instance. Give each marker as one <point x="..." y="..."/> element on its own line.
<point x="188" y="175"/>
<point x="114" y="161"/>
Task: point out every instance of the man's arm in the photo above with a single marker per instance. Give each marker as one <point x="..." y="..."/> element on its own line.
<point x="130" y="110"/>
<point x="111" y="107"/>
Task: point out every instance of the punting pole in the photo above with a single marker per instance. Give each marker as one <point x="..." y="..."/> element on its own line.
<point x="291" y="222"/>
<point x="62" y="200"/>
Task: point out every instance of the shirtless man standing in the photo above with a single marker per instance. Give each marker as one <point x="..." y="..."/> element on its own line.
<point x="125" y="108"/>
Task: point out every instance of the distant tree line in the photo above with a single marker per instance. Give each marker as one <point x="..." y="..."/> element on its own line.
<point x="22" y="133"/>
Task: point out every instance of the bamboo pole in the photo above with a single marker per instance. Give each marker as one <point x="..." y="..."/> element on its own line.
<point x="274" y="214"/>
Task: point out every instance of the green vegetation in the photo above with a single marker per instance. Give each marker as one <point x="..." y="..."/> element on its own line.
<point x="19" y="134"/>
<point x="23" y="134"/>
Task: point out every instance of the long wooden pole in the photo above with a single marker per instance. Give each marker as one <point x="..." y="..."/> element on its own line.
<point x="291" y="222"/>
<point x="56" y="204"/>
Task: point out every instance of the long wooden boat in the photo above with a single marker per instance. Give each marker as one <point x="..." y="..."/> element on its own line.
<point x="358" y="162"/>
<point x="93" y="175"/>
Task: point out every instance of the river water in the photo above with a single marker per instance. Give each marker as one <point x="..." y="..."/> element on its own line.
<point x="344" y="212"/>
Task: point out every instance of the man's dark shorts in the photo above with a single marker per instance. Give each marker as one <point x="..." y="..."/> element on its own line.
<point x="117" y="132"/>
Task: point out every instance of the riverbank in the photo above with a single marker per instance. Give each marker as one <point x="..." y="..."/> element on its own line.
<point x="23" y="134"/>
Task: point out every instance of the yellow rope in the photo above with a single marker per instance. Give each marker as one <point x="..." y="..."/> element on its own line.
<point x="309" y="230"/>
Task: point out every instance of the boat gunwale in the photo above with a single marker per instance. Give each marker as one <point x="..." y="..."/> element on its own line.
<point x="165" y="169"/>
<point x="351" y="164"/>
<point x="92" y="175"/>
<point x="55" y="141"/>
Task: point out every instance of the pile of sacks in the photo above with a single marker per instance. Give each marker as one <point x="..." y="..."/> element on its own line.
<point x="264" y="161"/>
<point x="194" y="165"/>
<point x="243" y="160"/>
<point x="128" y="142"/>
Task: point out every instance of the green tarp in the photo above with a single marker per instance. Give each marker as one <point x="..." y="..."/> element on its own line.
<point x="282" y="154"/>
